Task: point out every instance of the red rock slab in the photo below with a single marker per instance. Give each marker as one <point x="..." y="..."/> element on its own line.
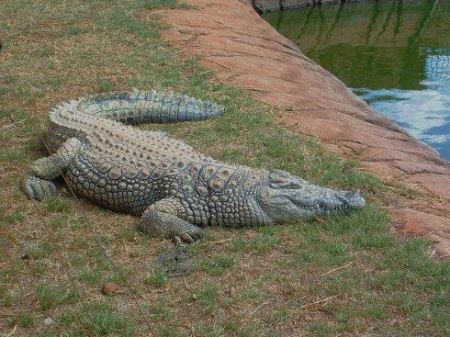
<point x="230" y="38"/>
<point x="432" y="227"/>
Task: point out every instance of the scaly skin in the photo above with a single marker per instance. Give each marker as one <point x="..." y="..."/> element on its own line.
<point x="175" y="189"/>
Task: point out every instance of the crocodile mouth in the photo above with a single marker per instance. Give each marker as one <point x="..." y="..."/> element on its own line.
<point x="331" y="201"/>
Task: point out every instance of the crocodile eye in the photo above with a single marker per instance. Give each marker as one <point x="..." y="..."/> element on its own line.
<point x="283" y="180"/>
<point x="284" y="184"/>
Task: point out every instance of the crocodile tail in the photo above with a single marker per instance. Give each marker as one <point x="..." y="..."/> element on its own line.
<point x="140" y="106"/>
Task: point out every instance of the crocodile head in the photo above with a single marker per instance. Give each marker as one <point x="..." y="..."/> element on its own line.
<point x="286" y="198"/>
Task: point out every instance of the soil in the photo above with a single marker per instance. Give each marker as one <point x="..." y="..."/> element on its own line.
<point x="175" y="261"/>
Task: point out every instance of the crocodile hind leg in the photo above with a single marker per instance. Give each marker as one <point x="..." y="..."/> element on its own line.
<point x="163" y="219"/>
<point x="38" y="182"/>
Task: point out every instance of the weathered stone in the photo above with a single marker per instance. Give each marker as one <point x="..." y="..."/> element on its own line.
<point x="110" y="288"/>
<point x="49" y="321"/>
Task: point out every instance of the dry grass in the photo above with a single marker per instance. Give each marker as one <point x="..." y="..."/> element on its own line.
<point x="347" y="275"/>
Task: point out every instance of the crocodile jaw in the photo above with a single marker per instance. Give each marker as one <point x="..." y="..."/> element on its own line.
<point x="289" y="198"/>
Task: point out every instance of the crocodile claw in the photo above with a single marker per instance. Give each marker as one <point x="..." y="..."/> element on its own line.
<point x="38" y="189"/>
<point x="188" y="237"/>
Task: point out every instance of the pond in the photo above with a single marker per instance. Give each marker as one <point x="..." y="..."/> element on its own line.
<point x="395" y="54"/>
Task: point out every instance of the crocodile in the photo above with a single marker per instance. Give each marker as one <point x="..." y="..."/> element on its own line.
<point x="175" y="190"/>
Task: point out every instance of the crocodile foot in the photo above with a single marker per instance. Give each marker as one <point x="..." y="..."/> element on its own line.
<point x="161" y="219"/>
<point x="38" y="189"/>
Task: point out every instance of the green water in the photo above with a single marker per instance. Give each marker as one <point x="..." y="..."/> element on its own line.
<point x="395" y="54"/>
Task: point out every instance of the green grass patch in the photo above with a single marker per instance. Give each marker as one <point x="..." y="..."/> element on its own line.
<point x="11" y="218"/>
<point x="217" y="265"/>
<point x="55" y="204"/>
<point x="23" y="320"/>
<point x="261" y="243"/>
<point x="89" y="276"/>
<point x="105" y="85"/>
<point x="38" y="250"/>
<point x="208" y="297"/>
<point x="160" y="311"/>
<point x="158" y="278"/>
<point x="50" y="295"/>
<point x="102" y="319"/>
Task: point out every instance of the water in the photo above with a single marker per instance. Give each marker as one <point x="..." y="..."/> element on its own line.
<point x="395" y="54"/>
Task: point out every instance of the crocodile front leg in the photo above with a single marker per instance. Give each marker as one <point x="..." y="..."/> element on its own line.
<point x="38" y="184"/>
<point x="163" y="218"/>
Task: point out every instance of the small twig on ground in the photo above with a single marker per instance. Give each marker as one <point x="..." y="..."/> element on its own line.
<point x="12" y="332"/>
<point x="338" y="268"/>
<point x="186" y="286"/>
<point x="324" y="301"/>
<point x="259" y="307"/>
<point x="13" y="124"/>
